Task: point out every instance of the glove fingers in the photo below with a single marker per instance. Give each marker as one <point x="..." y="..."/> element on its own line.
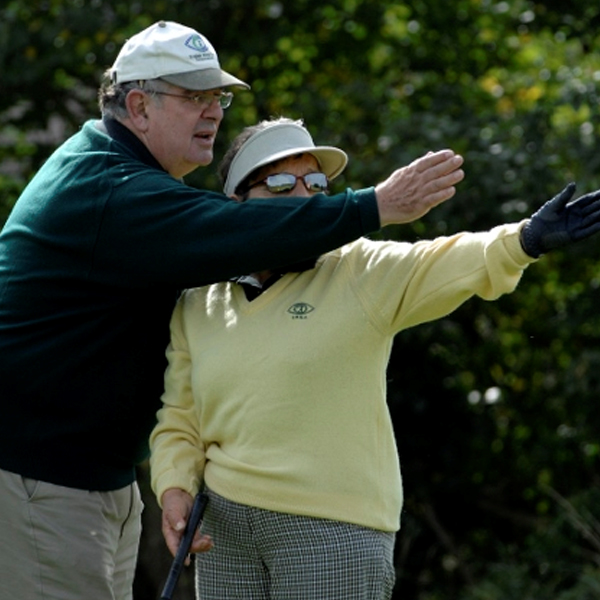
<point x="560" y="200"/>
<point x="588" y="204"/>
<point x="586" y="231"/>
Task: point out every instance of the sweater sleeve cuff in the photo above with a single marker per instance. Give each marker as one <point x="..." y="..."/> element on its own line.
<point x="191" y="486"/>
<point x="368" y="209"/>
<point x="516" y="247"/>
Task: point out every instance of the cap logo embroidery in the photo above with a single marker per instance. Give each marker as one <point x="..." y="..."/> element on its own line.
<point x="195" y="42"/>
<point x="299" y="310"/>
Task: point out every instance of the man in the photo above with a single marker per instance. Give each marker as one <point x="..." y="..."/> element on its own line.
<point x="275" y="393"/>
<point x="91" y="260"/>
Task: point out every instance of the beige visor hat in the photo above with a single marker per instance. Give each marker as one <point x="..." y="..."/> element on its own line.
<point x="280" y="141"/>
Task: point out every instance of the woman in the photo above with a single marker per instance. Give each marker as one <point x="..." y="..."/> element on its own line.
<point x="275" y="393"/>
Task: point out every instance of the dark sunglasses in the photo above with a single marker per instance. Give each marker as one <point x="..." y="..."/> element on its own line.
<point x="279" y="183"/>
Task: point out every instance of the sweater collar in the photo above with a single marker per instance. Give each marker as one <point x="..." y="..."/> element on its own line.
<point x="118" y="132"/>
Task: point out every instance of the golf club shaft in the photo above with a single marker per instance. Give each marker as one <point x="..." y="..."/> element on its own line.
<point x="198" y="507"/>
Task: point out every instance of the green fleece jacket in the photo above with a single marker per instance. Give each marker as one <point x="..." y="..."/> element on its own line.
<point x="91" y="261"/>
<point x="280" y="403"/>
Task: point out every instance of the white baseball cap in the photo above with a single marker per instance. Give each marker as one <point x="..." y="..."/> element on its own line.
<point x="173" y="52"/>
<point x="278" y="141"/>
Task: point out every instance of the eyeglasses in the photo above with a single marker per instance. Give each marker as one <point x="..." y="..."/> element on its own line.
<point x="205" y="99"/>
<point x="279" y="183"/>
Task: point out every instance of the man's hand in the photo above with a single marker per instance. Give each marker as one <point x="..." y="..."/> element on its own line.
<point x="177" y="506"/>
<point x="410" y="192"/>
<point x="560" y="222"/>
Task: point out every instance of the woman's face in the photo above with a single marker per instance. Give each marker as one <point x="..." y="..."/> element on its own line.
<point x="298" y="165"/>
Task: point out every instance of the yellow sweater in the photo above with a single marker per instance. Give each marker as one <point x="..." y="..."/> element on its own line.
<point x="280" y="403"/>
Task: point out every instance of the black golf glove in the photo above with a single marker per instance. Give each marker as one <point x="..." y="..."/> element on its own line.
<point x="557" y="223"/>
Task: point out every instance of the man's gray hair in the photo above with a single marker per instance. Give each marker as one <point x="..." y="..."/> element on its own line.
<point x="111" y="96"/>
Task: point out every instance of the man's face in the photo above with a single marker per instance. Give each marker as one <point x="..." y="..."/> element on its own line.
<point x="181" y="133"/>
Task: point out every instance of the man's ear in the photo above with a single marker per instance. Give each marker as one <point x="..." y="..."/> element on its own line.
<point x="136" y="102"/>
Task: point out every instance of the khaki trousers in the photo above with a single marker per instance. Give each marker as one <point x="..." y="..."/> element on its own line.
<point x="60" y="543"/>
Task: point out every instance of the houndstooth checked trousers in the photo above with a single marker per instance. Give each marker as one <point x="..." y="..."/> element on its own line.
<point x="265" y="555"/>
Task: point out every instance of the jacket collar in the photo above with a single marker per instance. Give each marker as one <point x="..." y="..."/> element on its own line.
<point x="118" y="132"/>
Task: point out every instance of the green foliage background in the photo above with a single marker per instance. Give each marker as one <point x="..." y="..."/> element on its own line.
<point x="495" y="407"/>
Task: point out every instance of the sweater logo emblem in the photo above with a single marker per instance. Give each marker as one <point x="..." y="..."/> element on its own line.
<point x="299" y="310"/>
